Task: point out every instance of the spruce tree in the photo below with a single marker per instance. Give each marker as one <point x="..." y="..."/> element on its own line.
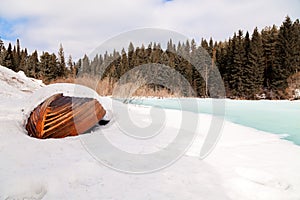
<point x="284" y="58"/>
<point x="270" y="40"/>
<point x="85" y="65"/>
<point x="124" y="65"/>
<point x="23" y="61"/>
<point x="94" y="64"/>
<point x="33" y="66"/>
<point x="238" y="62"/>
<point x="16" y="59"/>
<point x="296" y="47"/>
<point x="18" y="55"/>
<point x="49" y="65"/>
<point x="61" y="71"/>
<point x="130" y="55"/>
<point x="8" y="58"/>
<point x="255" y="65"/>
<point x="71" y="67"/>
<point x="2" y="51"/>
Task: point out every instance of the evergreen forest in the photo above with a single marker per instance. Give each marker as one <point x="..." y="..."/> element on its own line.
<point x="260" y="64"/>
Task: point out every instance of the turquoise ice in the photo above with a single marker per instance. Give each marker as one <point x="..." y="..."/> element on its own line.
<point x="278" y="117"/>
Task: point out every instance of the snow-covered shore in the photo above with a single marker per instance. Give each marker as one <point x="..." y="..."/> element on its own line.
<point x="246" y="163"/>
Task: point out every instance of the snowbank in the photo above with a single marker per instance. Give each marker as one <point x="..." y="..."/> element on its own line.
<point x="246" y="163"/>
<point x="15" y="84"/>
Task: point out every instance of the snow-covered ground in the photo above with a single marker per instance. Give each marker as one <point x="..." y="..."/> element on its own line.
<point x="15" y="84"/>
<point x="246" y="163"/>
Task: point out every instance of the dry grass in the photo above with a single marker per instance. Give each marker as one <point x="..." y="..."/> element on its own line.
<point x="294" y="83"/>
<point x="63" y="80"/>
<point x="146" y="91"/>
<point x="102" y="87"/>
<point x="106" y="87"/>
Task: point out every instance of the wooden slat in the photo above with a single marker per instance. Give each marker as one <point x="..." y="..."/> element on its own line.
<point x="60" y="116"/>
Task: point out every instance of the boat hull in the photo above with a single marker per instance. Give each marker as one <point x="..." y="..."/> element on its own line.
<point x="61" y="116"/>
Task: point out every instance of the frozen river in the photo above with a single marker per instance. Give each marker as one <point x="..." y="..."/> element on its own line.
<point x="279" y="117"/>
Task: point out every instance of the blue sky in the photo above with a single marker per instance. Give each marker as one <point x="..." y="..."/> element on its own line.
<point x="7" y="28"/>
<point x="82" y="25"/>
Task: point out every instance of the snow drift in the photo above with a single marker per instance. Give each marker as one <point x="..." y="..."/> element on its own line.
<point x="15" y="84"/>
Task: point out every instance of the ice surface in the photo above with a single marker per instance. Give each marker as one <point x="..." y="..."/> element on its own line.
<point x="279" y="117"/>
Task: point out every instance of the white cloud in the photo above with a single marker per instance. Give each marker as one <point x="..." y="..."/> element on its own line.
<point x="82" y="25"/>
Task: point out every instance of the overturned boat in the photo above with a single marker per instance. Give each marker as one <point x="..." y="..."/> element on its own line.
<point x="60" y="116"/>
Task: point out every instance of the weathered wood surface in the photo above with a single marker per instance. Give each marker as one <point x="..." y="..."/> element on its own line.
<point x="61" y="116"/>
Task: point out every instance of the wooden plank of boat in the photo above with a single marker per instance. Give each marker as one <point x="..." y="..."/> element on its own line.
<point x="61" y="116"/>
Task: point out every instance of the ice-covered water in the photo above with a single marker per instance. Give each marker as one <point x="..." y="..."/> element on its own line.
<point x="279" y="117"/>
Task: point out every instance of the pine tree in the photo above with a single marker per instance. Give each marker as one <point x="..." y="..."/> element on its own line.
<point x="284" y="58"/>
<point x="77" y="67"/>
<point x="193" y="47"/>
<point x="71" y="66"/>
<point x="2" y="51"/>
<point x="23" y="61"/>
<point x="204" y="44"/>
<point x="94" y="64"/>
<point x="8" y="58"/>
<point x="16" y="59"/>
<point x="170" y="46"/>
<point x="85" y="65"/>
<point x="238" y="62"/>
<point x="61" y="71"/>
<point x="130" y="56"/>
<point x="210" y="47"/>
<point x="247" y="69"/>
<point x="200" y="71"/>
<point x="18" y="55"/>
<point x="270" y="40"/>
<point x="124" y="65"/>
<point x="50" y="64"/>
<point x="1" y="45"/>
<point x="255" y="66"/>
<point x="296" y="47"/>
<point x="140" y="56"/>
<point x="116" y="60"/>
<point x="33" y="66"/>
<point x="227" y="67"/>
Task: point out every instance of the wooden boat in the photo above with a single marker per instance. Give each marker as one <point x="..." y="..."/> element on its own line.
<point x="61" y="116"/>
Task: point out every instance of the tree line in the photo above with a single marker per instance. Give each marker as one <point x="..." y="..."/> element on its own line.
<point x="46" y="67"/>
<point x="262" y="63"/>
<point x="251" y="66"/>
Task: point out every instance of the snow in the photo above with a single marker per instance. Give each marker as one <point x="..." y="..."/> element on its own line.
<point x="246" y="163"/>
<point x="15" y="84"/>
